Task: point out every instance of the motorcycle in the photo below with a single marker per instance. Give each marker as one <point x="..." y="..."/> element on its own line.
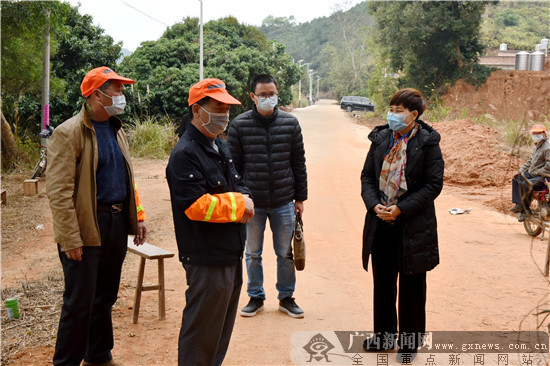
<point x="40" y="167"/>
<point x="538" y="219"/>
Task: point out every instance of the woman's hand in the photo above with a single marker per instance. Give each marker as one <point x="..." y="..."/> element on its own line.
<point x="379" y="209"/>
<point x="387" y="213"/>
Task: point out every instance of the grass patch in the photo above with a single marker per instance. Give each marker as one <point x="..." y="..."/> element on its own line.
<point x="517" y="134"/>
<point x="39" y="306"/>
<point x="437" y="112"/>
<point x="151" y="137"/>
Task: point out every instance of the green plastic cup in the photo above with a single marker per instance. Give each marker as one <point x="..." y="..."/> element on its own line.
<point x="13" y="308"/>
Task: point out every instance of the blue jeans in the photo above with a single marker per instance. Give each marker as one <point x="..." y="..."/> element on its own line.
<point x="281" y="221"/>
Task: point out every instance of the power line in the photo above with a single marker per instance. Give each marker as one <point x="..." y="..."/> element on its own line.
<point x="147" y="15"/>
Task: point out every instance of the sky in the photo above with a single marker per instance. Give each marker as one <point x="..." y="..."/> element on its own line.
<point x="135" y="21"/>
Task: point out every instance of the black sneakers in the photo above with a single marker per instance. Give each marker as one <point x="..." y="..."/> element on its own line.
<point x="254" y="306"/>
<point x="288" y="305"/>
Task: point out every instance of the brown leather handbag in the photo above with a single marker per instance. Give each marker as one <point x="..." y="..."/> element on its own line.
<point x="298" y="243"/>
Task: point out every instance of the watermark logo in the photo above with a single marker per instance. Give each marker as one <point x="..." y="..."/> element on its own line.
<point x="438" y="348"/>
<point x="318" y="348"/>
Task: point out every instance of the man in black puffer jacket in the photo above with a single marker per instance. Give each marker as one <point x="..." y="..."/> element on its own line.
<point x="268" y="151"/>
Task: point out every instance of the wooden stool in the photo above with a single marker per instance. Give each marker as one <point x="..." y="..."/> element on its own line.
<point x="148" y="251"/>
<point x="30" y="187"/>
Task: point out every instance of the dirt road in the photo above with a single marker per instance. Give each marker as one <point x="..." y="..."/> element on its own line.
<point x="487" y="279"/>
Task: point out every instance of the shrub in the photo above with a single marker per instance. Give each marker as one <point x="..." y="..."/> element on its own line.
<point x="151" y="137"/>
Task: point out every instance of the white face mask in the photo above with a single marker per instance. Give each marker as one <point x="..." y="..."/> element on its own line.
<point x="266" y="104"/>
<point x="217" y="122"/>
<point x="119" y="102"/>
<point x="537" y="137"/>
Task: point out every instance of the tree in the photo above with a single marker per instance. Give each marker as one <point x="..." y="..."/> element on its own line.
<point x="165" y="69"/>
<point x="430" y="43"/>
<point x="519" y="24"/>
<point x="82" y="46"/>
<point x="76" y="47"/>
<point x="335" y="46"/>
<point x="21" y="67"/>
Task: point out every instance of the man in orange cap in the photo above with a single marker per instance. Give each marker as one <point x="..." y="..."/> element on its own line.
<point x="210" y="206"/>
<point x="533" y="174"/>
<point x="95" y="206"/>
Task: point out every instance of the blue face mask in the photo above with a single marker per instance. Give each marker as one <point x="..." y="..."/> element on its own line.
<point x="397" y="121"/>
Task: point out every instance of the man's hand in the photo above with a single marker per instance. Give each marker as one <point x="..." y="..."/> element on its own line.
<point x="248" y="211"/>
<point x="299" y="207"/>
<point x="141" y="233"/>
<point x="516" y="174"/>
<point x="74" y="254"/>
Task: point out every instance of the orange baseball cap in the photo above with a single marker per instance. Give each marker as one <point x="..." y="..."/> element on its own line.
<point x="213" y="88"/>
<point x="97" y="77"/>
<point x="538" y="129"/>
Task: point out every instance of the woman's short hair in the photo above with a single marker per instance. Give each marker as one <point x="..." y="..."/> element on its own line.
<point x="411" y="99"/>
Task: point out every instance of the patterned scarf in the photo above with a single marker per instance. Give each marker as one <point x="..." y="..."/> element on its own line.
<point x="393" y="183"/>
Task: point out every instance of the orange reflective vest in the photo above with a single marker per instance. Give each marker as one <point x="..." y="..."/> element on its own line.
<point x="218" y="208"/>
<point x="141" y="216"/>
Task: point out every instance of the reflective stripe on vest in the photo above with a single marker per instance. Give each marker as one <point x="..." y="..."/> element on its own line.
<point x="233" y="207"/>
<point x="210" y="209"/>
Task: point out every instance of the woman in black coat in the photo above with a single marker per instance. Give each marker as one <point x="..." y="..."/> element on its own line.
<point x="402" y="176"/>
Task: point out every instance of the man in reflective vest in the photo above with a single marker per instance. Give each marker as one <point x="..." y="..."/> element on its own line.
<point x="210" y="206"/>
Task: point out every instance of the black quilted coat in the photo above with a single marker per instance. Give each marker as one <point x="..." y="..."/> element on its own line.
<point x="424" y="174"/>
<point x="269" y="154"/>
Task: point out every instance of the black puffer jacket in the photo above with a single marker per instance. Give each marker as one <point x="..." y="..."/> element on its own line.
<point x="269" y="155"/>
<point x="424" y="174"/>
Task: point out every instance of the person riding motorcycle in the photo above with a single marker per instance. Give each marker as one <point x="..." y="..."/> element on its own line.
<point x="533" y="174"/>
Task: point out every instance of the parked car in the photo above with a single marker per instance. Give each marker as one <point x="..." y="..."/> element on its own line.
<point x="353" y="103"/>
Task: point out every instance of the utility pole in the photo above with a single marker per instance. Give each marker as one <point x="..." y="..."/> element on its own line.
<point x="310" y="72"/>
<point x="310" y="93"/>
<point x="300" y="86"/>
<point x="300" y="83"/>
<point x="46" y="72"/>
<point x="201" y="71"/>
<point x="318" y="77"/>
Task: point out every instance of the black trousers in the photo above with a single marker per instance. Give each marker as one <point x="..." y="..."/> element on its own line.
<point x="212" y="300"/>
<point x="91" y="287"/>
<point x="522" y="188"/>
<point x="387" y="259"/>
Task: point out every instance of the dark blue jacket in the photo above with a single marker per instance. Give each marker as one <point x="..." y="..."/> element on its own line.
<point x="194" y="169"/>
<point x="424" y="174"/>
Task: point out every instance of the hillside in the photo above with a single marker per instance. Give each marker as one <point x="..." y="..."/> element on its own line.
<point x="519" y="24"/>
<point x="307" y="41"/>
<point x="341" y="51"/>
